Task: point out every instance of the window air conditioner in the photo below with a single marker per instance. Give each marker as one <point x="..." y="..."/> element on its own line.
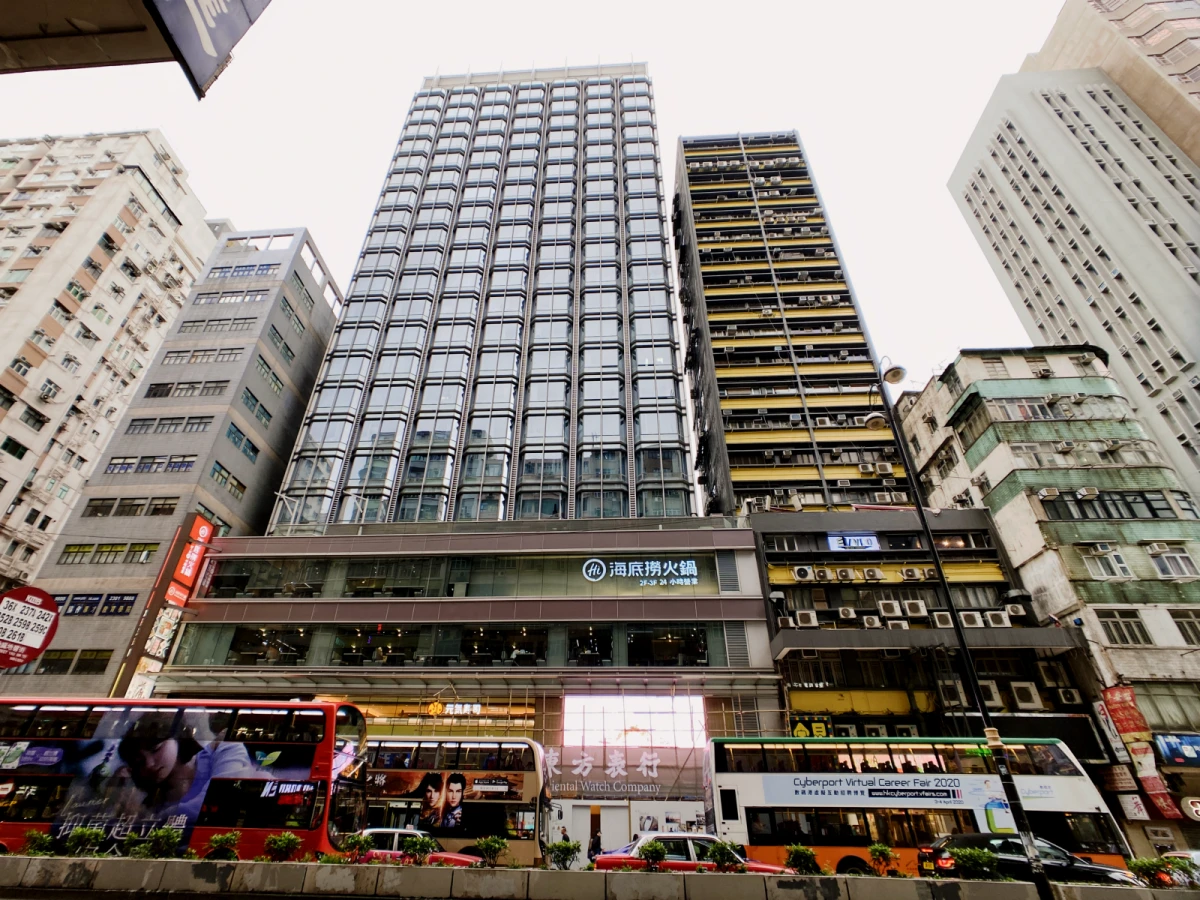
<point x="806" y="618"/>
<point x="943" y="620"/>
<point x="866" y="468"/>
<point x="1025" y="694"/>
<point x="845" y="574"/>
<point x="910" y="573"/>
<point x="991" y="694"/>
<point x="1015" y="609"/>
<point x="1069" y="696"/>
<point x="884" y="468"/>
<point x="873" y="574"/>
<point x="1087" y="493"/>
<point x="898" y="625"/>
<point x="890" y="608"/>
<point x="782" y="622"/>
<point x="952" y="693"/>
<point x="847" y="612"/>
<point x="1048" y="494"/>
<point x="872" y="622"/>
<point x="803" y="573"/>
<point x="1158" y="548"/>
<point x="998" y="618"/>
<point x="970" y="619"/>
<point x="1052" y="673"/>
<point x="823" y="574"/>
<point x="915" y="609"/>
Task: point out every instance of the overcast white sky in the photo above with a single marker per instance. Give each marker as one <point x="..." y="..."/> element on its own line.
<point x="300" y="127"/>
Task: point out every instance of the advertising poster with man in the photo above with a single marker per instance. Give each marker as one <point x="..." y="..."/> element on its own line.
<point x="454" y="804"/>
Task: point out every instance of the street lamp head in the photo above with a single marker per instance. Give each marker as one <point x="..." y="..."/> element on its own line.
<point x="895" y="374"/>
<point x="876" y="422"/>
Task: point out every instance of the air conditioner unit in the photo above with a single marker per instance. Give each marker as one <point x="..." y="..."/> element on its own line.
<point x="892" y="654"/>
<point x="1015" y="609"/>
<point x="970" y="619"/>
<point x="803" y="573"/>
<point x="806" y="618"/>
<point x="810" y="653"/>
<point x="991" y="694"/>
<point x="997" y="618"/>
<point x="883" y="497"/>
<point x="782" y="622"/>
<point x="1158" y="548"/>
<point x="823" y="574"/>
<point x="1048" y="494"/>
<point x="843" y="482"/>
<point x="873" y="574"/>
<point x="1051" y="398"/>
<point x="943" y="620"/>
<point x="847" y="612"/>
<point x="866" y="469"/>
<point x="951" y="692"/>
<point x="1043" y="373"/>
<point x="909" y="731"/>
<point x="845" y="574"/>
<point x="915" y="609"/>
<point x="1064" y="446"/>
<point x="884" y="468"/>
<point x="1069" y="696"/>
<point x="898" y="625"/>
<point x="910" y="573"/>
<point x="1087" y="493"/>
<point x="899" y="497"/>
<point x="1025" y="695"/>
<point x="872" y="622"/>
<point x="930" y="574"/>
<point x="1078" y="398"/>
<point x="890" y="608"/>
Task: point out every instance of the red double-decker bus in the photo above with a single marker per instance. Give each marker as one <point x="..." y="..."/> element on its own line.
<point x="202" y="766"/>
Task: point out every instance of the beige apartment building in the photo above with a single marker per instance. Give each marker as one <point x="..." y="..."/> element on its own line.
<point x="100" y="240"/>
<point x="1151" y="50"/>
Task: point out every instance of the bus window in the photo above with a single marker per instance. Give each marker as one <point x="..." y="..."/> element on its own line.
<point x="930" y="824"/>
<point x="845" y="761"/>
<point x="394" y="755"/>
<point x="14" y="719"/>
<point x="841" y="827"/>
<point x="1019" y="760"/>
<point x="246" y="803"/>
<point x="57" y="721"/>
<point x="478" y="756"/>
<point x="871" y="758"/>
<point x="915" y="760"/>
<point x="792" y="826"/>
<point x="261" y="725"/>
<point x="746" y="758"/>
<point x="758" y="822"/>
<point x="890" y="826"/>
<point x="448" y="759"/>
<point x="779" y="758"/>
<point x="516" y="757"/>
<point x="822" y="758"/>
<point x="426" y="755"/>
<point x="94" y="717"/>
<point x="967" y="759"/>
<point x="36" y="799"/>
<point x="520" y="823"/>
<point x="350" y="726"/>
<point x="729" y="805"/>
<point x="1049" y="759"/>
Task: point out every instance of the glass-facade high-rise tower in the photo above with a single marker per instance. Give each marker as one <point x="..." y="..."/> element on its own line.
<point x="509" y="344"/>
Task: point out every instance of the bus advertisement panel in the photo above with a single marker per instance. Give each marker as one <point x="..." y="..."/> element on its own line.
<point x="839" y="797"/>
<point x="461" y="790"/>
<point x="127" y="767"/>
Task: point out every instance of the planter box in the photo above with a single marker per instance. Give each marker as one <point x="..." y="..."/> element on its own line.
<point x="807" y="887"/>
<point x="335" y="879"/>
<point x="983" y="890"/>
<point x="51" y="872"/>
<point x="1104" y="892"/>
<point x="269" y="878"/>
<point x="128" y="875"/>
<point x="490" y="884"/>
<point x="425" y="882"/>
<point x="192" y="877"/>
<point x="725" y="886"/>
<point x="554" y="885"/>
<point x="12" y="870"/>
<point x="645" y="885"/>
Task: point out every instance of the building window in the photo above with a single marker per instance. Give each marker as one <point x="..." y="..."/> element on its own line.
<point x="168" y="425"/>
<point x="55" y="662"/>
<point x="220" y="474"/>
<point x="130" y="506"/>
<point x="33" y="418"/>
<point x="82" y="605"/>
<point x="213" y="388"/>
<point x="176" y="358"/>
<point x="162" y="506"/>
<point x="181" y="463"/>
<point x="1169" y="706"/>
<point x="198" y="423"/>
<point x="1175" y="563"/>
<point x="108" y="553"/>
<point x="229" y="354"/>
<point x="92" y="662"/>
<point x="120" y="465"/>
<point x="99" y="507"/>
<point x="1123" y="626"/>
<point x="1188" y="623"/>
<point x="141" y="553"/>
<point x="75" y="554"/>
<point x="159" y="390"/>
<point x="140" y="426"/>
<point x="994" y="367"/>
<point x="1107" y="565"/>
<point x="118" y="604"/>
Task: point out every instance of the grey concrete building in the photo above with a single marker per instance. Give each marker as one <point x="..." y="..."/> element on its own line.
<point x="1150" y="48"/>
<point x="100" y="240"/>
<point x="1089" y="216"/>
<point x="210" y="431"/>
<point x="509" y="348"/>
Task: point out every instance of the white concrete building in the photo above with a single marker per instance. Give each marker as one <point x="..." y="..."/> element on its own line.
<point x="100" y="239"/>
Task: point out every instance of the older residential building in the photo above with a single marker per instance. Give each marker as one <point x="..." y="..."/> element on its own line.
<point x="100" y="239"/>
<point x="1149" y="48"/>
<point x="1101" y="529"/>
<point x="508" y="348"/>
<point x="791" y="431"/>
<point x="1090" y="217"/>
<point x="209" y="432"/>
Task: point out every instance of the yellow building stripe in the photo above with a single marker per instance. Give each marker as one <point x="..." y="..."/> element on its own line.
<point x="813" y="312"/>
<point x="705" y="186"/>
<point x="864" y="702"/>
<point x="820" y="262"/>
<point x="781" y="474"/>
<point x="807" y="287"/>
<point x="956" y="572"/>
<point x="736" y="153"/>
<point x="791" y="401"/>
<point x="846" y="337"/>
<point x="782" y="437"/>
<point x="846" y="368"/>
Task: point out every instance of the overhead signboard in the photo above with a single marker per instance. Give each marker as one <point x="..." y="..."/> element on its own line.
<point x="203" y="33"/>
<point x="853" y="542"/>
<point x="28" y="621"/>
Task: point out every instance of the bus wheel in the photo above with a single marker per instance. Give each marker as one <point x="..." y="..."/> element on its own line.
<point x="853" y="865"/>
